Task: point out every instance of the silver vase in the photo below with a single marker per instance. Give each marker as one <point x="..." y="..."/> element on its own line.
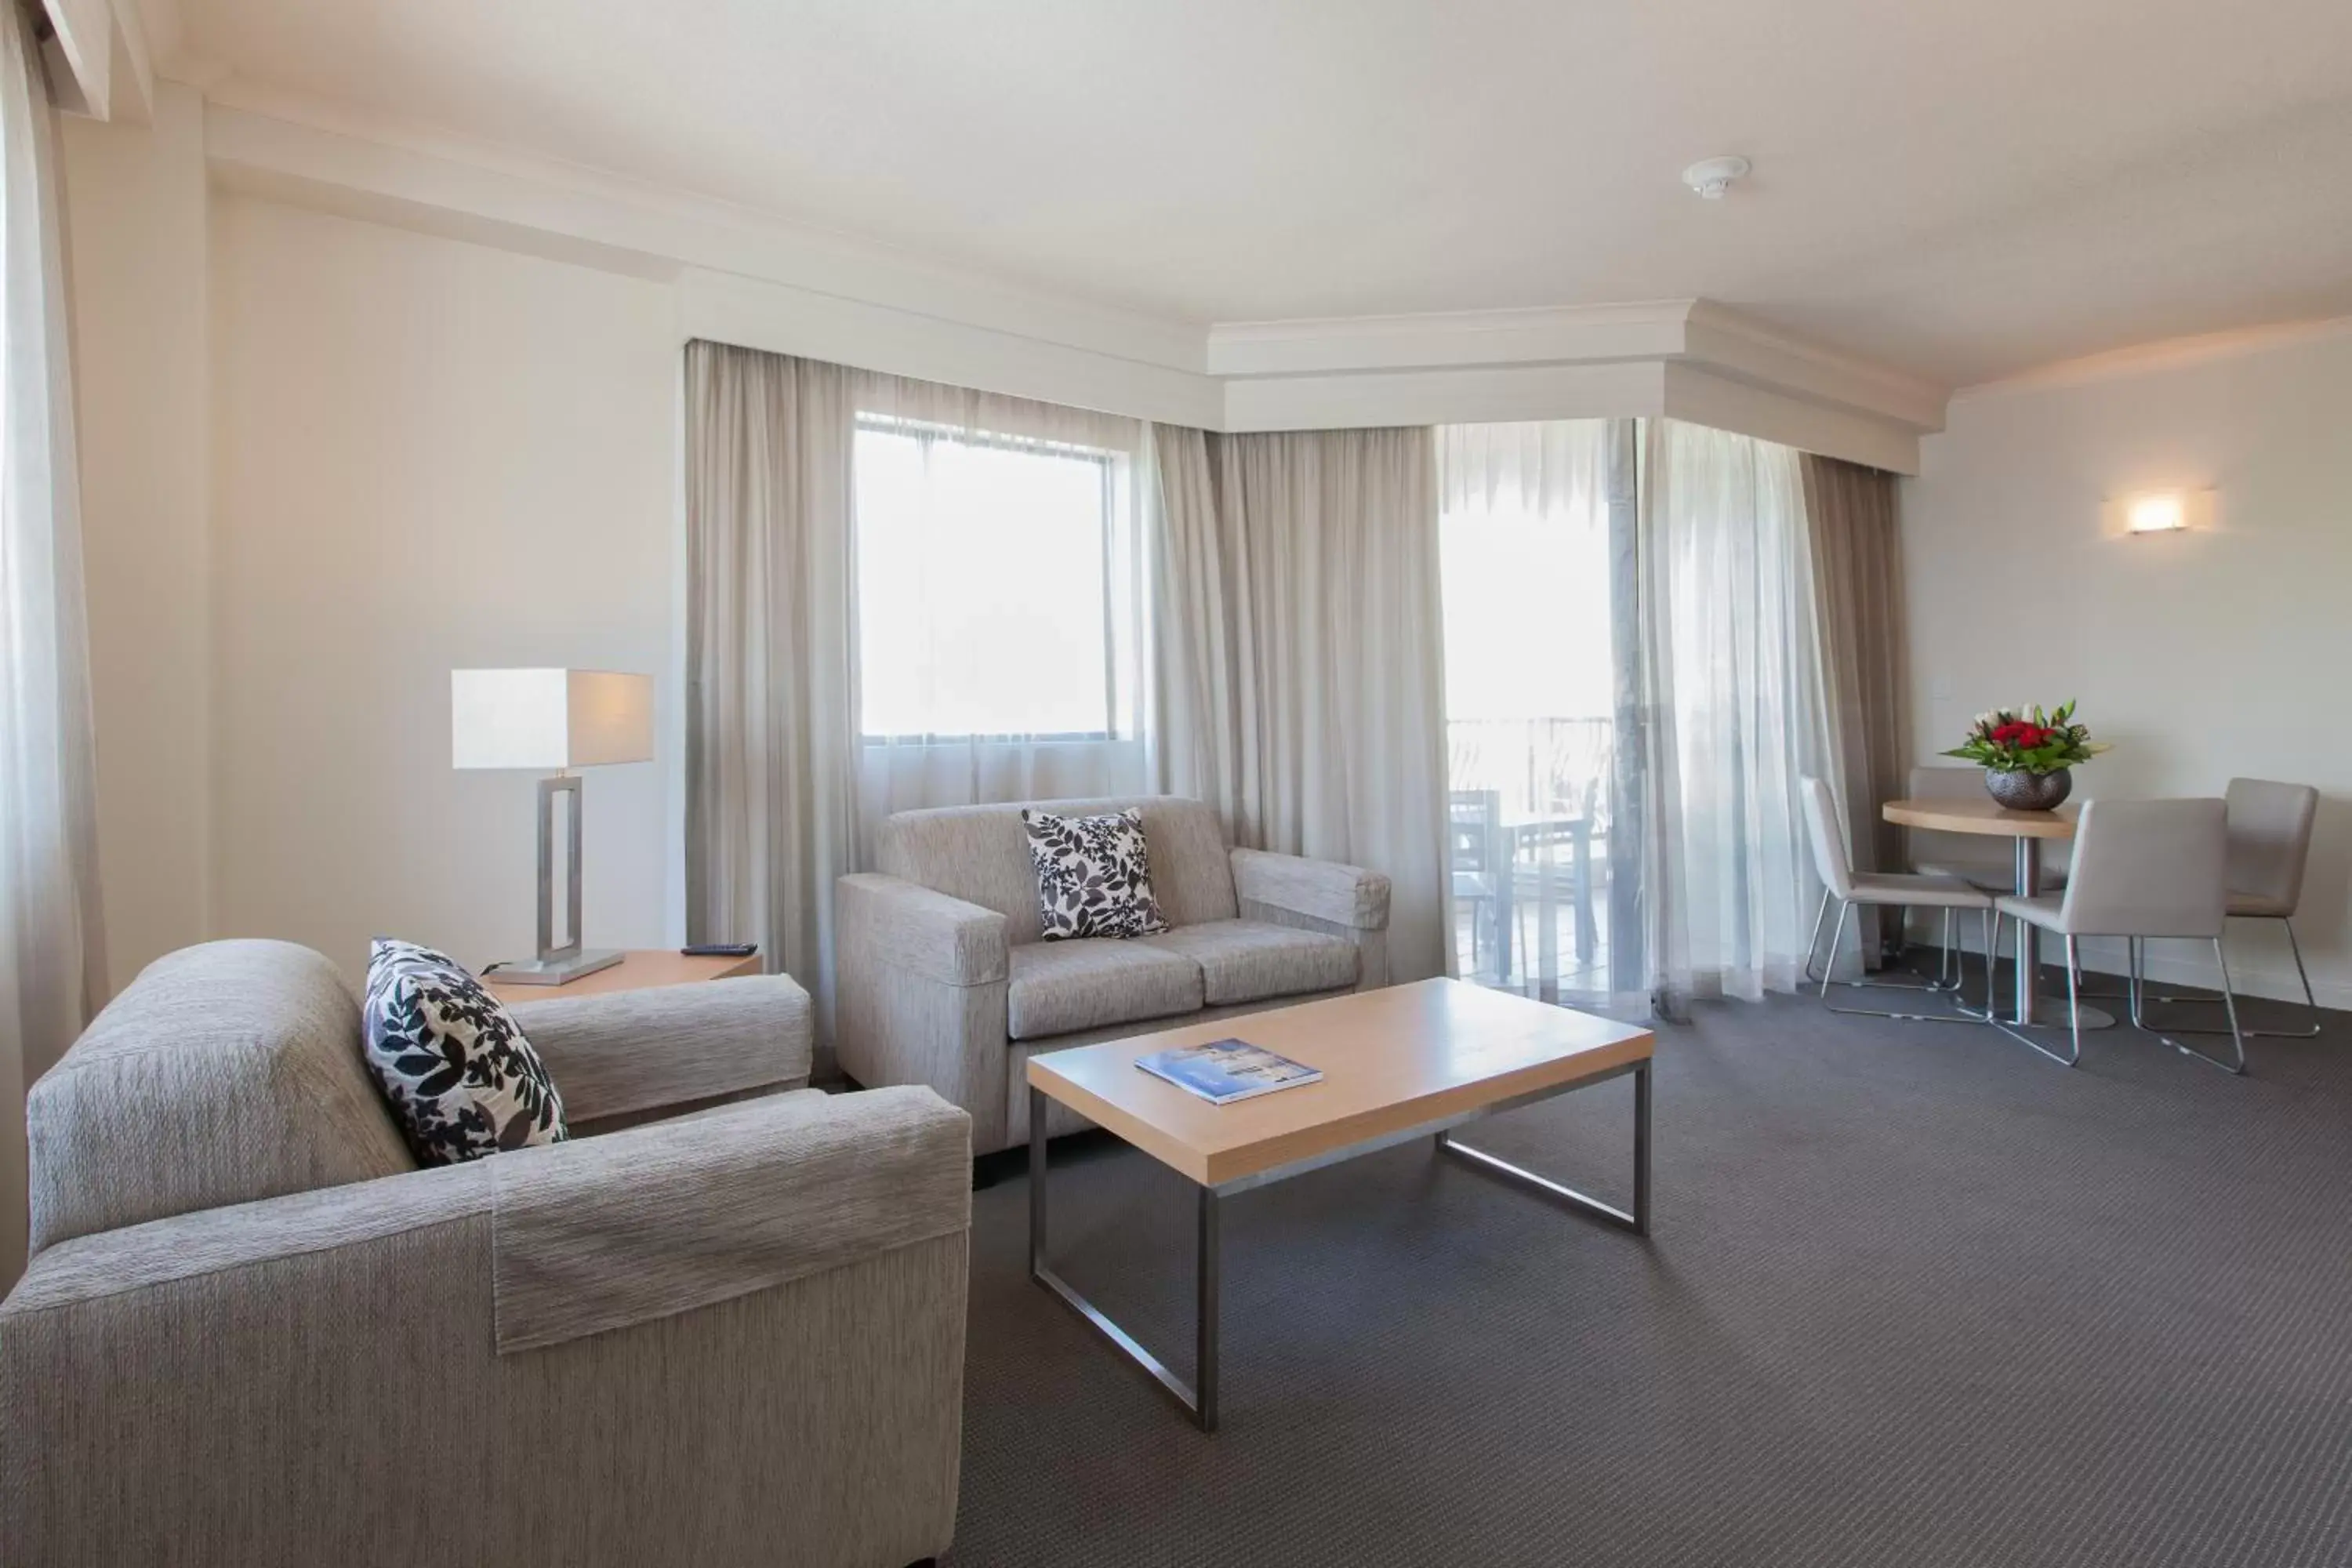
<point x="2029" y="792"/>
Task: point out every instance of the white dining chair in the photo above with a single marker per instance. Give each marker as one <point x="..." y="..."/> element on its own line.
<point x="1883" y="889"/>
<point x="2270" y="844"/>
<point x="2143" y="869"/>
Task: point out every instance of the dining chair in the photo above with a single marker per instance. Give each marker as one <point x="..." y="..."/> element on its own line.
<point x="1981" y="861"/>
<point x="2270" y="844"/>
<point x="1883" y="889"/>
<point x="2143" y="869"/>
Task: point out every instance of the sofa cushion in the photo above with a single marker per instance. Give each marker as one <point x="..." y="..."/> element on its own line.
<point x="224" y="1074"/>
<point x="981" y="854"/>
<point x="462" y="1080"/>
<point x="1094" y="878"/>
<point x="1246" y="960"/>
<point x="1059" y="986"/>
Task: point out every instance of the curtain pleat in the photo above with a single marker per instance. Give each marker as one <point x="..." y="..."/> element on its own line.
<point x="771" y="766"/>
<point x="1301" y="657"/>
<point x="52" y="941"/>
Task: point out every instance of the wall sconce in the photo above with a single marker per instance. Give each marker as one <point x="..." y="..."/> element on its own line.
<point x="2160" y="511"/>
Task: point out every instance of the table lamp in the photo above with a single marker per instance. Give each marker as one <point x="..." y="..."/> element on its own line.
<point x="552" y="720"/>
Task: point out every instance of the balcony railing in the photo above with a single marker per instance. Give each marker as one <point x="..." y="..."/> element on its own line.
<point x="1541" y="767"/>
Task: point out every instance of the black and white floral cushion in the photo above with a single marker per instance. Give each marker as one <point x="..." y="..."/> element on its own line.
<point x="1094" y="877"/>
<point x="462" y="1080"/>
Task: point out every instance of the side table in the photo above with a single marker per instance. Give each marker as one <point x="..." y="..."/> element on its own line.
<point x="641" y="969"/>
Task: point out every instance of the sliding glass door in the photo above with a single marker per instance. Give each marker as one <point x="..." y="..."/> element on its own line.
<point x="1545" y="891"/>
<point x="1632" y="694"/>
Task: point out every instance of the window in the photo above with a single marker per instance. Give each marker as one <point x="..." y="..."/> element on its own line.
<point x="990" y="573"/>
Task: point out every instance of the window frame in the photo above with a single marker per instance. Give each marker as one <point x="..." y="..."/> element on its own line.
<point x="1106" y="460"/>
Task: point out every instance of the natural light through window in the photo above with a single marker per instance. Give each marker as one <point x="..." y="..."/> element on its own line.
<point x="983" y="566"/>
<point x="1527" y="616"/>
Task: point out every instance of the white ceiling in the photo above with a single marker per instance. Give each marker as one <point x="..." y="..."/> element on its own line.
<point x="1961" y="190"/>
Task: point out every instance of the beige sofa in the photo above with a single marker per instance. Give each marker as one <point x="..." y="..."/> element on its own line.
<point x="942" y="978"/>
<point x="253" y="1333"/>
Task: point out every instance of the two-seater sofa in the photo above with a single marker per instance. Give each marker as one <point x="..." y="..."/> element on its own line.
<point x="941" y="977"/>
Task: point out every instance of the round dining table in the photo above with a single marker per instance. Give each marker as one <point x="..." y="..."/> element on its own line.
<point x="1987" y="817"/>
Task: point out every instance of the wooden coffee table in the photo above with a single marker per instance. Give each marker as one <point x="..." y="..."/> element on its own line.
<point x="1407" y="1062"/>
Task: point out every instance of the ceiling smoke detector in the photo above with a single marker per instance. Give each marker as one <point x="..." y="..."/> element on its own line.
<point x="1710" y="177"/>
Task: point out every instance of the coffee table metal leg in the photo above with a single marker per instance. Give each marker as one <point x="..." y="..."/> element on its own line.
<point x="1036" y="1183"/>
<point x="1638" y="1222"/>
<point x="1642" y="1150"/>
<point x="1204" y="1331"/>
<point x="1201" y="1403"/>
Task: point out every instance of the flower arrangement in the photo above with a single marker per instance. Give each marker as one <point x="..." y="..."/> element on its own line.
<point x="2028" y="740"/>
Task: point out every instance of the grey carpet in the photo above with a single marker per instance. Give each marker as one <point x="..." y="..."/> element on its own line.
<point x="1915" y="1297"/>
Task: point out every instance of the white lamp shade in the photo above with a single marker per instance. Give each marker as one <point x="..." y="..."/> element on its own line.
<point x="549" y="720"/>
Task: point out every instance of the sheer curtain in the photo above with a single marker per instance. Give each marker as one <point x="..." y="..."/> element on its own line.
<point x="1003" y="627"/>
<point x="1302" y="657"/>
<point x="52" y="947"/>
<point x="1532" y="660"/>
<point x="1731" y="682"/>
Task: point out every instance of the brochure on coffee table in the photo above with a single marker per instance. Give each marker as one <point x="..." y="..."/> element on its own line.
<point x="1225" y="1070"/>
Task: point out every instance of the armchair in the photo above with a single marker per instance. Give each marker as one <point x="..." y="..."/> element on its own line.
<point x="253" y="1333"/>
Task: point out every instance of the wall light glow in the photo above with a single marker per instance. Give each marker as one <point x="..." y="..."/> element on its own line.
<point x="2158" y="513"/>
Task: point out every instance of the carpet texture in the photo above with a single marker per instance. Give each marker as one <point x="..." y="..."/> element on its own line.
<point x="1915" y="1296"/>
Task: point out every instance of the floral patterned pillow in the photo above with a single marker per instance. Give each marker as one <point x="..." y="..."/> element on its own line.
<point x="462" y="1080"/>
<point x="1094" y="875"/>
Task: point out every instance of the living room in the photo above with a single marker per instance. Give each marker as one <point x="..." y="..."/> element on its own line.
<point x="1440" y="545"/>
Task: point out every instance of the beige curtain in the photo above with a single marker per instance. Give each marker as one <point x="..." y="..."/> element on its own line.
<point x="1300" y="668"/>
<point x="1858" y="597"/>
<point x="770" y="749"/>
<point x="52" y="943"/>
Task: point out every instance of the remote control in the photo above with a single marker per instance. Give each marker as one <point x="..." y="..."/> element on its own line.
<point x="720" y="950"/>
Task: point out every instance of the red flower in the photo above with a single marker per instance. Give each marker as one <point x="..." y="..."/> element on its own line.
<point x="2021" y="734"/>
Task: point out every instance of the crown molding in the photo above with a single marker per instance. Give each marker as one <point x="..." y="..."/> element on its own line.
<point x="2172" y="354"/>
<point x="1695" y="333"/>
<point x="752" y="278"/>
<point x="1453" y="395"/>
<point x="1744" y="349"/>
<point x="750" y="313"/>
<point x="1696" y="394"/>
<point x="1558" y="336"/>
<point x="251" y="127"/>
<point x="99" y="58"/>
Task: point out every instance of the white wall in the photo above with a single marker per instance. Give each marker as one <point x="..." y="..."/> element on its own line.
<point x="135" y="212"/>
<point x="427" y="454"/>
<point x="2220" y="652"/>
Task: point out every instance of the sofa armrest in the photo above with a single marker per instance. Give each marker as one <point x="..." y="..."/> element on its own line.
<point x="604" y="1233"/>
<point x="1344" y="895"/>
<point x="908" y="926"/>
<point x="672" y="1046"/>
<point x="919" y="986"/>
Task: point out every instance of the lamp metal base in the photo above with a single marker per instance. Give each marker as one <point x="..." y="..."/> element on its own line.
<point x="556" y="971"/>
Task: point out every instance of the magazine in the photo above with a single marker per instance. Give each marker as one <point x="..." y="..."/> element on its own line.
<point x="1225" y="1070"/>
